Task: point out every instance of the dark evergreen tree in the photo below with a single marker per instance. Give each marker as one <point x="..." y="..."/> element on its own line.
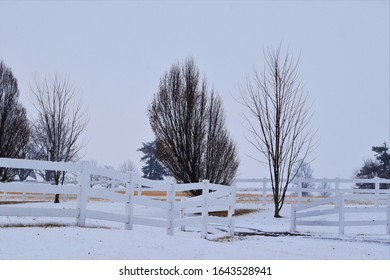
<point x="152" y="169"/>
<point x="380" y="167"/>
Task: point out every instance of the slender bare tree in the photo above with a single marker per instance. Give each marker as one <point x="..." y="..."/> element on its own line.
<point x="192" y="141"/>
<point x="14" y="125"/>
<point x="60" y="124"/>
<point x="278" y="117"/>
<point x="303" y="170"/>
<point x="127" y="166"/>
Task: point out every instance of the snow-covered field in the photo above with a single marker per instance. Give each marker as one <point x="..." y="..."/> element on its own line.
<point x="60" y="238"/>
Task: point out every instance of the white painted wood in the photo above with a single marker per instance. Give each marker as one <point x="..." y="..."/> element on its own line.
<point x="37" y="212"/>
<point x="316" y="213"/>
<point x="100" y="215"/>
<point x="130" y="204"/>
<point x="104" y="193"/>
<point x="188" y="187"/>
<point x="40" y="164"/>
<point x="205" y="211"/>
<point x="221" y="200"/>
<point x="293" y="226"/>
<point x="82" y="199"/>
<point x="150" y="222"/>
<point x="170" y="203"/>
<point x="388" y="214"/>
<point x="341" y="209"/>
<point x="151" y="202"/>
<point x="231" y="209"/>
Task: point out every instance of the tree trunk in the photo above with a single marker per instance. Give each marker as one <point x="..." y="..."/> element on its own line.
<point x="277" y="212"/>
<point x="57" y="182"/>
<point x="277" y="209"/>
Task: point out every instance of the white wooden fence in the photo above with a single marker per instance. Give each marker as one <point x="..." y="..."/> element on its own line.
<point x="259" y="191"/>
<point x="180" y="212"/>
<point x="366" y="201"/>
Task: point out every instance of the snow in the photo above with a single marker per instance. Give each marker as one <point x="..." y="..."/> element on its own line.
<point x="27" y="238"/>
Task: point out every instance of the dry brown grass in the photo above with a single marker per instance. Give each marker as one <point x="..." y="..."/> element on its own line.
<point x="238" y="212"/>
<point x="43" y="225"/>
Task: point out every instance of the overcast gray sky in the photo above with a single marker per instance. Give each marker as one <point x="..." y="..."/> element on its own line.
<point x="115" y="52"/>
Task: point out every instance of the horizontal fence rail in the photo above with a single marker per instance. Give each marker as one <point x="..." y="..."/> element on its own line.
<point x="178" y="210"/>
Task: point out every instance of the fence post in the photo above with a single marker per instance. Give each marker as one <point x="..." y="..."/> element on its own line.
<point x="337" y="186"/>
<point x="171" y="201"/>
<point x="293" y="219"/>
<point x="83" y="196"/>
<point x="341" y="214"/>
<point x="183" y="227"/>
<point x="205" y="208"/>
<point x="388" y="213"/>
<point x="130" y="202"/>
<point x="264" y="198"/>
<point x="299" y="183"/>
<point x="232" y="204"/>
<point x="376" y="191"/>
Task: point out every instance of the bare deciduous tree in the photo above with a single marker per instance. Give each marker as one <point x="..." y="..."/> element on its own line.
<point x="60" y="124"/>
<point x="192" y="141"/>
<point x="128" y="166"/>
<point x="278" y="119"/>
<point x="303" y="170"/>
<point x="14" y="125"/>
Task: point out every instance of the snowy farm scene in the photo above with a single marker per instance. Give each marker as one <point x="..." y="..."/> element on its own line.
<point x="194" y="130"/>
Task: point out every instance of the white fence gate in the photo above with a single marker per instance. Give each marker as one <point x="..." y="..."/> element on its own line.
<point x="179" y="212"/>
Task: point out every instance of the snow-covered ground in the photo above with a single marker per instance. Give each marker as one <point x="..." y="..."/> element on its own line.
<point x="60" y="238"/>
